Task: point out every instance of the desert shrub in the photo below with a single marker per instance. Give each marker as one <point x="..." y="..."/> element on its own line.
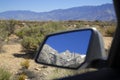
<point x="7" y="28"/>
<point x="30" y="43"/>
<point x="25" y="31"/>
<point x="32" y="36"/>
<point x="11" y="26"/>
<point x="25" y="64"/>
<point x="4" y="74"/>
<point x="3" y="32"/>
<point x="110" y="31"/>
<point x="53" y="27"/>
<point x="22" y="77"/>
<point x="25" y="73"/>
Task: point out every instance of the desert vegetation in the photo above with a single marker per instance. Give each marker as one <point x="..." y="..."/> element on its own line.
<point x="4" y="74"/>
<point x="30" y="34"/>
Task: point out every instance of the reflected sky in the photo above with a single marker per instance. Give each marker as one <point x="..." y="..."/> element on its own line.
<point x="75" y="42"/>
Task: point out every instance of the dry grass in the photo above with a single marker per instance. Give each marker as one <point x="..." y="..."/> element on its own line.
<point x="25" y="64"/>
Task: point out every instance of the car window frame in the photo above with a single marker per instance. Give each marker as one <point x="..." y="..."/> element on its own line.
<point x="114" y="52"/>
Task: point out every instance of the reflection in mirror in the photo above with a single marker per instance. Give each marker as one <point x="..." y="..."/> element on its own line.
<point x="66" y="50"/>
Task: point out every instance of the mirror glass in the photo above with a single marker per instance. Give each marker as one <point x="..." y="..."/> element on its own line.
<point x="66" y="50"/>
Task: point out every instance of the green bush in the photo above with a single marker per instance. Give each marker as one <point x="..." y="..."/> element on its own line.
<point x="30" y="43"/>
<point x="7" y="28"/>
<point x="32" y="36"/>
<point x="4" y="74"/>
<point x="11" y="26"/>
<point x="3" y="32"/>
<point x="25" y="31"/>
<point x="32" y="33"/>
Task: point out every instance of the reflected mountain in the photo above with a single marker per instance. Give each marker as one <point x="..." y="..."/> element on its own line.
<point x="49" y="55"/>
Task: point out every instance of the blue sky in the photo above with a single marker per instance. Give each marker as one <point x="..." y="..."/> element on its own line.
<point x="74" y="42"/>
<point x="46" y="5"/>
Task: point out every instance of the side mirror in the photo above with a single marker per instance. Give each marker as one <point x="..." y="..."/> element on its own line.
<point x="72" y="49"/>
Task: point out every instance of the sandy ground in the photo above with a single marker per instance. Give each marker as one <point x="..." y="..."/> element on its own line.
<point x="11" y="62"/>
<point x="107" y="42"/>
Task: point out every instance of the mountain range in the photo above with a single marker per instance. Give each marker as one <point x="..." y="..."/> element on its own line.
<point x="103" y="12"/>
<point x="51" y="56"/>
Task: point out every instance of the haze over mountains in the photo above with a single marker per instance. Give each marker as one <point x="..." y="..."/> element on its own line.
<point x="103" y="12"/>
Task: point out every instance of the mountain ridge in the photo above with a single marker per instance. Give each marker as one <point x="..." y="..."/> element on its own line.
<point x="102" y="12"/>
<point x="51" y="56"/>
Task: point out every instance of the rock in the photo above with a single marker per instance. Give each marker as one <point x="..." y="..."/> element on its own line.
<point x="37" y="69"/>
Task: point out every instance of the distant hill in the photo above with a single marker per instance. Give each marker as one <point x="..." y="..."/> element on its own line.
<point x="103" y="12"/>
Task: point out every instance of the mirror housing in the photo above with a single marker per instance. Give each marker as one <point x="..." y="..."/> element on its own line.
<point x="95" y="50"/>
